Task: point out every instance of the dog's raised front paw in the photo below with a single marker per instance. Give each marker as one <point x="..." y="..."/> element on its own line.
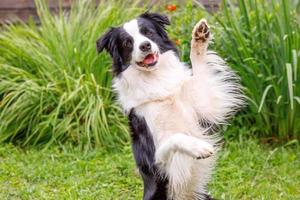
<point x="201" y="31"/>
<point x="201" y="149"/>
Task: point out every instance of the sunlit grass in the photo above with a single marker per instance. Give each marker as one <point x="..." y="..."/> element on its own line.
<point x="245" y="170"/>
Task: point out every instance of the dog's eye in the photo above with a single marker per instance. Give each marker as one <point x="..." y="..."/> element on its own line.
<point x="127" y="43"/>
<point x="149" y="33"/>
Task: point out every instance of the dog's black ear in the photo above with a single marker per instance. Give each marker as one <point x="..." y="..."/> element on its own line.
<point x="106" y="41"/>
<point x="159" y="21"/>
<point x="118" y="65"/>
<point x="117" y="60"/>
<point x="109" y="42"/>
<point x="163" y="20"/>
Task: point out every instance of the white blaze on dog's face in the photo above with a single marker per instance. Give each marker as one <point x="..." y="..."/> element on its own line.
<point x="138" y="43"/>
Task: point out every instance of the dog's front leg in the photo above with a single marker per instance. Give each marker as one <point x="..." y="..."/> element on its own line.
<point x="199" y="44"/>
<point x="189" y="145"/>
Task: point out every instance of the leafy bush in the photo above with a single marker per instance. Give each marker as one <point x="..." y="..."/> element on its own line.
<point x="262" y="42"/>
<point x="53" y="85"/>
<point x="55" y="88"/>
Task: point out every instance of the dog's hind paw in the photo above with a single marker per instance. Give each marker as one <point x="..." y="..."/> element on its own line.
<point x="201" y="31"/>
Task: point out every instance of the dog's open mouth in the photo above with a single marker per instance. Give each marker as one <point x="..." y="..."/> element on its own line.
<point x="149" y="61"/>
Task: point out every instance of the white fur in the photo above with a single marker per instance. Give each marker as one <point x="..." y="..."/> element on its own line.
<point x="185" y="144"/>
<point x="173" y="101"/>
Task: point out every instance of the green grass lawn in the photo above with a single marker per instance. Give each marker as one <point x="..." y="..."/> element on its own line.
<point x="246" y="170"/>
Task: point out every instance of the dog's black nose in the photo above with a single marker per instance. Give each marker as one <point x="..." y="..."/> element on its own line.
<point x="145" y="46"/>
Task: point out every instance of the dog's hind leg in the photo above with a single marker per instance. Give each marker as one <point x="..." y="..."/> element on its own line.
<point x="155" y="186"/>
<point x="176" y="157"/>
<point x="199" y="44"/>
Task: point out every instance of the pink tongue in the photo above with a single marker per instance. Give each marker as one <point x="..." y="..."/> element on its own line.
<point x="149" y="59"/>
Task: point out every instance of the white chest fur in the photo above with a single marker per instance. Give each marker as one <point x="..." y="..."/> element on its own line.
<point x="135" y="87"/>
<point x="171" y="115"/>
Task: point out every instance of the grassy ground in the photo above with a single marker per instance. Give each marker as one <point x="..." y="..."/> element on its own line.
<point x="246" y="170"/>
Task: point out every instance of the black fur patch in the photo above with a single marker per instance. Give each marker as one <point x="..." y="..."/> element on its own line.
<point x="155" y="187"/>
<point x="119" y="44"/>
<point x="153" y="26"/>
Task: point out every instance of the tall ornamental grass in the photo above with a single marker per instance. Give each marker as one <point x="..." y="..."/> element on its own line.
<point x="53" y="85"/>
<point x="55" y="88"/>
<point x="261" y="40"/>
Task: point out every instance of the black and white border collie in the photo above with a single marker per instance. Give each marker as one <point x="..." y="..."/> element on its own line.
<point x="172" y="109"/>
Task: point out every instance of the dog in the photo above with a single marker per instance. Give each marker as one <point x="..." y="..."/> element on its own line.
<point x="172" y="109"/>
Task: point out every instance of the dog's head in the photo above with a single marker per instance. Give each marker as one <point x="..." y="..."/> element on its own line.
<point x="138" y="43"/>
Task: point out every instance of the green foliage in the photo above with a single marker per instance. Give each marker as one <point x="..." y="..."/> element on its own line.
<point x="245" y="170"/>
<point x="183" y="22"/>
<point x="261" y="40"/>
<point x="249" y="170"/>
<point x="54" y="87"/>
